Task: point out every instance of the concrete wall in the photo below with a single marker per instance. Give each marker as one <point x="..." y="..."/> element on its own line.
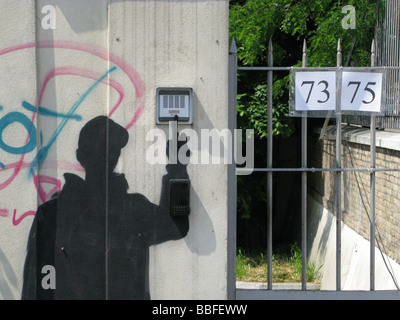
<point x="108" y="58"/>
<point x="355" y="254"/>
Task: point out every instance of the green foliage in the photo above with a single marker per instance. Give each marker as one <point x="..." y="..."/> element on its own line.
<point x="296" y="260"/>
<point x="242" y="263"/>
<point x="254" y="108"/>
<point x="254" y="22"/>
<point x="286" y="266"/>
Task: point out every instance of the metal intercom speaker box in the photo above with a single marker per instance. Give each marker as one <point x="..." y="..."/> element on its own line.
<point x="179" y="195"/>
<point x="174" y="104"/>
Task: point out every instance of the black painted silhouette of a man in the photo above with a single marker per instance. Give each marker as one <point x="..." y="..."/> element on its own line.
<point x="94" y="233"/>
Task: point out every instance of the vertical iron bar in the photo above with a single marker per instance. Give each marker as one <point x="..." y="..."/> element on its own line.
<point x="304" y="187"/>
<point x="232" y="187"/>
<point x="372" y="204"/>
<point x="395" y="52"/>
<point x="372" y="185"/>
<point x="338" y="174"/>
<point x="269" y="165"/>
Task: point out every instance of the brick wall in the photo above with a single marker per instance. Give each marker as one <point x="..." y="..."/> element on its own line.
<point x="356" y="188"/>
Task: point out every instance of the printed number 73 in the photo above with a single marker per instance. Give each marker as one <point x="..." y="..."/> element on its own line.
<point x="357" y="83"/>
<point x="311" y="88"/>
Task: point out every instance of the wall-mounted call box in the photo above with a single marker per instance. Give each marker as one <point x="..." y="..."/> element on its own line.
<point x="174" y="104"/>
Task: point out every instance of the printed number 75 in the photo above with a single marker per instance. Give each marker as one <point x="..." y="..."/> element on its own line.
<point x="311" y="88"/>
<point x="357" y="83"/>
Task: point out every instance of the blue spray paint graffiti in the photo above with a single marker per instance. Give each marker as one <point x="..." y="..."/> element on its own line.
<point x="46" y="112"/>
<point x="43" y="152"/>
<point x="30" y="128"/>
<point x="31" y="143"/>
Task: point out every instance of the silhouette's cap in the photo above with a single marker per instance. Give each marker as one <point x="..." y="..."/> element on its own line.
<point x="94" y="135"/>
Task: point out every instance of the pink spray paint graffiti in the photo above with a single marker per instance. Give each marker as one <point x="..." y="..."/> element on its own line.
<point x="39" y="180"/>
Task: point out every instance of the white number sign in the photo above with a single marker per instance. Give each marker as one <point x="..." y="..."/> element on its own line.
<point x="361" y="91"/>
<point x="315" y="91"/>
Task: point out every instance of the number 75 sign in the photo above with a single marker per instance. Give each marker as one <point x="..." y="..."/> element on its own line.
<point x="359" y="91"/>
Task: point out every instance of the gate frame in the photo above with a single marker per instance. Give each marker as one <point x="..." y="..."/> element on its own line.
<point x="303" y="294"/>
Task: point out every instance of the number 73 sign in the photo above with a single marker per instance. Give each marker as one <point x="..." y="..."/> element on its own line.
<point x="317" y="91"/>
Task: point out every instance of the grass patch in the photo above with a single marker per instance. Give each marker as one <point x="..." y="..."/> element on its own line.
<point x="286" y="266"/>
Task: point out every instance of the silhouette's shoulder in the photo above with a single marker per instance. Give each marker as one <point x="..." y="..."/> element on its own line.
<point x="47" y="210"/>
<point x="73" y="179"/>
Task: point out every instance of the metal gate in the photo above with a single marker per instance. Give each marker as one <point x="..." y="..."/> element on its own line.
<point x="304" y="170"/>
